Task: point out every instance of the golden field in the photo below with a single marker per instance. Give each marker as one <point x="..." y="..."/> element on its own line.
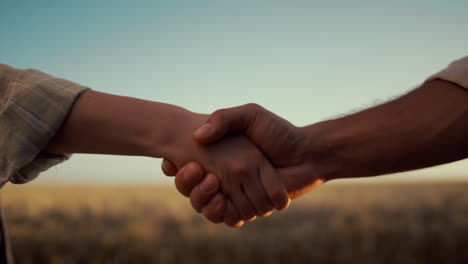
<point x="337" y="223"/>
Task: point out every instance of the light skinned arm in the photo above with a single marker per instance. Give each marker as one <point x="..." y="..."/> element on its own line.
<point x="102" y="123"/>
<point x="423" y="128"/>
<point x="109" y="124"/>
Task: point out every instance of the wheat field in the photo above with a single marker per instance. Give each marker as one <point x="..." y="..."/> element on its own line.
<point x="337" y="223"/>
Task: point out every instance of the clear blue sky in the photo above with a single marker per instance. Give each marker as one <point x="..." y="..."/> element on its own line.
<point x="305" y="60"/>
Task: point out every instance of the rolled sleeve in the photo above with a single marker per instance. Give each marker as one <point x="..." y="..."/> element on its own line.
<point x="33" y="106"/>
<point x="456" y="72"/>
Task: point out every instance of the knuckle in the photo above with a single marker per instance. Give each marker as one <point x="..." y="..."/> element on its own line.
<point x="217" y="115"/>
<point x="239" y="169"/>
<point x="253" y="107"/>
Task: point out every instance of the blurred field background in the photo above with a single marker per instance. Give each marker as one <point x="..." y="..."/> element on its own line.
<point x="337" y="223"/>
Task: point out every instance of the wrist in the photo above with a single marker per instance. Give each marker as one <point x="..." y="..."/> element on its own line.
<point x="320" y="152"/>
<point x="169" y="137"/>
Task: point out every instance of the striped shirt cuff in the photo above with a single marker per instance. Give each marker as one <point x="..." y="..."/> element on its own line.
<point x="33" y="107"/>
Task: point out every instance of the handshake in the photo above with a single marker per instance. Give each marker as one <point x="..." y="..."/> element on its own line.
<point x="242" y="162"/>
<point x="237" y="163"/>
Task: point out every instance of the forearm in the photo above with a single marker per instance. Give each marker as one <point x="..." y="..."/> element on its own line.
<point x="108" y="124"/>
<point x="424" y="128"/>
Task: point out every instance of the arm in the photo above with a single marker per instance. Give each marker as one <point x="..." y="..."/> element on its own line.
<point x="109" y="124"/>
<point x="424" y="128"/>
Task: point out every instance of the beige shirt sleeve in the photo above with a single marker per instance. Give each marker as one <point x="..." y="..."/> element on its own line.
<point x="456" y="72"/>
<point x="33" y="106"/>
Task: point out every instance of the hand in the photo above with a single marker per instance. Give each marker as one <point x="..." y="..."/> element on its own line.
<point x="203" y="190"/>
<point x="209" y="201"/>
<point x="283" y="143"/>
<point x="249" y="182"/>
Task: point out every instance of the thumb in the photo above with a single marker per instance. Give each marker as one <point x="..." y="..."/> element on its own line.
<point x="225" y="120"/>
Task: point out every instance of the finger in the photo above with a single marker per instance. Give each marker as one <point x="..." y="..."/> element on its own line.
<point x="204" y="192"/>
<point x="244" y="207"/>
<point x="188" y="177"/>
<point x="231" y="215"/>
<point x="224" y="120"/>
<point x="214" y="209"/>
<point x="298" y="181"/>
<point x="274" y="187"/>
<point x="168" y="167"/>
<point x="255" y="193"/>
<point x="267" y="214"/>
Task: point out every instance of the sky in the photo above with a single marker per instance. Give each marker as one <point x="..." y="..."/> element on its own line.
<point x="307" y="61"/>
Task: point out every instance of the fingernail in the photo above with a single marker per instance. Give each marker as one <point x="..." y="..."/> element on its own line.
<point x="164" y="166"/>
<point x="208" y="185"/>
<point x="203" y="130"/>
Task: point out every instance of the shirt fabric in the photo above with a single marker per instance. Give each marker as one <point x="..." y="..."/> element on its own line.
<point x="456" y="72"/>
<point x="33" y="106"/>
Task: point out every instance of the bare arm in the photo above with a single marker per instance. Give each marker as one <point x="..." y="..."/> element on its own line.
<point x="426" y="127"/>
<point x="110" y="124"/>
